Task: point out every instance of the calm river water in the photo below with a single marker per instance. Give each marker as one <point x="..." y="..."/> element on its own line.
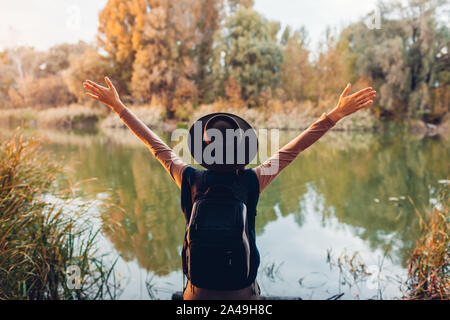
<point x="349" y="193"/>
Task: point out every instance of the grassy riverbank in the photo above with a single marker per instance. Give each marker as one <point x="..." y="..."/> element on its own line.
<point x="274" y="115"/>
<point x="74" y="116"/>
<point x="47" y="245"/>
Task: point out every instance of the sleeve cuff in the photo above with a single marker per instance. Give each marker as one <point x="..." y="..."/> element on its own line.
<point x="330" y="122"/>
<point x="122" y="113"/>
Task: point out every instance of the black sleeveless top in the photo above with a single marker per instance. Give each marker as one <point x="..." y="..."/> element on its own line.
<point x="191" y="188"/>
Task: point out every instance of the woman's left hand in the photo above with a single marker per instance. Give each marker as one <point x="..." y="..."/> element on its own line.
<point x="107" y="95"/>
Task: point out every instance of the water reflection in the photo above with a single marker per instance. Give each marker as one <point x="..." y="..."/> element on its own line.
<point x="363" y="183"/>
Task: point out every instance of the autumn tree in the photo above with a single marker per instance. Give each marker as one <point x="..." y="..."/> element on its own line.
<point x="296" y="69"/>
<point x="161" y="50"/>
<point x="19" y="66"/>
<point x="89" y="65"/>
<point x="333" y="68"/>
<point x="164" y="68"/>
<point x="31" y="78"/>
<point x="7" y="78"/>
<point x="120" y="31"/>
<point x="57" y="58"/>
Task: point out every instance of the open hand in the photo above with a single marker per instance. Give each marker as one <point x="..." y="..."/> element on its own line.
<point x="107" y="95"/>
<point x="349" y="104"/>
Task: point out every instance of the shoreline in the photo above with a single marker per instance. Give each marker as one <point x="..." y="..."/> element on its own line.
<point x="77" y="117"/>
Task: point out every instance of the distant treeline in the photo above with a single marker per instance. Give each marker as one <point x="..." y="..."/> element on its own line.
<point x="184" y="53"/>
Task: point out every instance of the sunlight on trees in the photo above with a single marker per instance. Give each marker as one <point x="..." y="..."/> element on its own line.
<point x="187" y="53"/>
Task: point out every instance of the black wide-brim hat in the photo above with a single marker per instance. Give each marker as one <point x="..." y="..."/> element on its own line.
<point x="237" y="152"/>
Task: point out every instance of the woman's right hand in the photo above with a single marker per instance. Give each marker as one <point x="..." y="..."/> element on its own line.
<point x="107" y="95"/>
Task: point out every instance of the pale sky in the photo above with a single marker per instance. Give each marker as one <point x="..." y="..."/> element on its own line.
<point x="44" y="23"/>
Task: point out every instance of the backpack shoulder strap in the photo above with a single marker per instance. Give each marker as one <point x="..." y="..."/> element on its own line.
<point x="232" y="184"/>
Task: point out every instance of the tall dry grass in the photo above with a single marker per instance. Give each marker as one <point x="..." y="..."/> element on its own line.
<point x="285" y="115"/>
<point x="275" y="114"/>
<point x="17" y="116"/>
<point x="429" y="265"/>
<point x="73" y="116"/>
<point x="44" y="233"/>
<point x="152" y="116"/>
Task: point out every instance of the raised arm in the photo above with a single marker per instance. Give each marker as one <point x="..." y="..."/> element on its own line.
<point x="109" y="96"/>
<point x="348" y="104"/>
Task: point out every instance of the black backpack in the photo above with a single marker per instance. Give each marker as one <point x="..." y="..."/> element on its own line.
<point x="216" y="249"/>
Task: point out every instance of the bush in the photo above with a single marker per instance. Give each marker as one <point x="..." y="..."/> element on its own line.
<point x="40" y="93"/>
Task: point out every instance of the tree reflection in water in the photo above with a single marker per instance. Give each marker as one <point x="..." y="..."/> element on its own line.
<point x="363" y="180"/>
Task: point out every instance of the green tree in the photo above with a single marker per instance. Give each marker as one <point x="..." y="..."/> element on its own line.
<point x="247" y="53"/>
<point x="407" y="58"/>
